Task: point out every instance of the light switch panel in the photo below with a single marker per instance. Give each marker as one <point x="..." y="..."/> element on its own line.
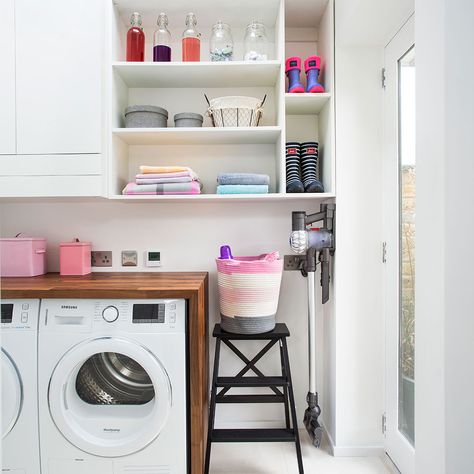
<point x="129" y="258"/>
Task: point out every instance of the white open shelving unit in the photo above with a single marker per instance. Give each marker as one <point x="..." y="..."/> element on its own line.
<point x="306" y="104"/>
<point x="180" y="87"/>
<point x="201" y="74"/>
<point x="199" y="136"/>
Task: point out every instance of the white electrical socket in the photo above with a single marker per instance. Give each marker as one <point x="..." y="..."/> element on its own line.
<point x="153" y="258"/>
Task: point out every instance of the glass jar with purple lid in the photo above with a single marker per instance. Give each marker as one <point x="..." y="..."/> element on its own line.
<point x="162" y="40"/>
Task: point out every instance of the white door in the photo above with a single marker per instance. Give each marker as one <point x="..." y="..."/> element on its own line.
<point x="12" y="394"/>
<point x="399" y="229"/>
<point x="59" y="46"/>
<point x="109" y="396"/>
<point x="7" y="78"/>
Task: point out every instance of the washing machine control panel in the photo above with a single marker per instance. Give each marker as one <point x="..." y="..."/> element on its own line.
<point x="19" y="314"/>
<point x="141" y="315"/>
<point x="128" y="315"/>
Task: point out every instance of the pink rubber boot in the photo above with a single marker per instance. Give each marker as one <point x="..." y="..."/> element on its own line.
<point x="293" y="71"/>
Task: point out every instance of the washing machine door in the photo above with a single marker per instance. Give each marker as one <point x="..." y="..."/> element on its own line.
<point x="12" y="393"/>
<point x="109" y="396"/>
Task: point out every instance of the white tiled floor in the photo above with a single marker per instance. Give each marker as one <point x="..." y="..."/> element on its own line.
<point x="280" y="458"/>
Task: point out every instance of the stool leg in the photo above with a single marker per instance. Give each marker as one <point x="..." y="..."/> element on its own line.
<point x="292" y="406"/>
<point x="285" y="388"/>
<point x="212" y="407"/>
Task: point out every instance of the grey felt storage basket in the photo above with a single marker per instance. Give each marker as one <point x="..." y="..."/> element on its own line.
<point x="188" y="119"/>
<point x="145" y="116"/>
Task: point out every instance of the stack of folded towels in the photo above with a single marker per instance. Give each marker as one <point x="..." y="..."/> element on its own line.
<point x="242" y="183"/>
<point x="164" y="180"/>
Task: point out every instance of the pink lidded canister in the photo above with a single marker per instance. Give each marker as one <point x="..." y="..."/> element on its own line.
<point x="75" y="258"/>
<point x="22" y="256"/>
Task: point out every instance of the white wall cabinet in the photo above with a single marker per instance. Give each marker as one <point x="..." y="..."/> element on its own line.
<point x="7" y="78"/>
<point x="53" y="131"/>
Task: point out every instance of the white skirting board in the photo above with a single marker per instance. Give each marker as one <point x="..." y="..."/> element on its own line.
<point x="352" y="451"/>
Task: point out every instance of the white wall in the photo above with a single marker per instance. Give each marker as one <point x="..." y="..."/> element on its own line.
<point x="359" y="310"/>
<point x="445" y="226"/>
<point x="363" y="28"/>
<point x="430" y="434"/>
<point x="189" y="236"/>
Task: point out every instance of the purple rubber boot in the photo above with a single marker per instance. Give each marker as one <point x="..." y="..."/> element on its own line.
<point x="312" y="66"/>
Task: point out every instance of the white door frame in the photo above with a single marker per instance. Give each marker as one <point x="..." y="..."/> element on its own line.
<point x="397" y="446"/>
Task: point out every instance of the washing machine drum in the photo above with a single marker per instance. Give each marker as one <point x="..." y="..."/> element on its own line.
<point x="109" y="396"/>
<point x="111" y="378"/>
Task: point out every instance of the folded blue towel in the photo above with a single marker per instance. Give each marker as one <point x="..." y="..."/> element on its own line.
<point x="242" y="189"/>
<point x="242" y="178"/>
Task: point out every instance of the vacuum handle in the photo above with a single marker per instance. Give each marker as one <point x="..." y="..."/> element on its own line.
<point x="324" y="259"/>
<point x="312" y="332"/>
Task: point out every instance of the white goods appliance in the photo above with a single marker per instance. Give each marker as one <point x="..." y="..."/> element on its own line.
<point x="112" y="386"/>
<point x="20" y="441"/>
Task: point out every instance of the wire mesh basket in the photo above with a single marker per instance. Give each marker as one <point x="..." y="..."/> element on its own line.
<point x="235" y="111"/>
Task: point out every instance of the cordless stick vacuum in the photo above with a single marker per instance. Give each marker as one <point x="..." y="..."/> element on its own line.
<point x="319" y="245"/>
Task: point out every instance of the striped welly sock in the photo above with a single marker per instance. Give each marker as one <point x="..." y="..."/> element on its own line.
<point x="309" y="168"/>
<point x="293" y="170"/>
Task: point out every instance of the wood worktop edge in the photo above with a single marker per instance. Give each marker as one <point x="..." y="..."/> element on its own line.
<point x="106" y="285"/>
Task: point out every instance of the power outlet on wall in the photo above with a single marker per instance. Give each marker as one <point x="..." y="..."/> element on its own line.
<point x="101" y="258"/>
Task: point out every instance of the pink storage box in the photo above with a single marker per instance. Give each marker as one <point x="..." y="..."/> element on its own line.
<point x="75" y="258"/>
<point x="22" y="256"/>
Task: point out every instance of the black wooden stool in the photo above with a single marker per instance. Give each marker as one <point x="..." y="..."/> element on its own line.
<point x="284" y="396"/>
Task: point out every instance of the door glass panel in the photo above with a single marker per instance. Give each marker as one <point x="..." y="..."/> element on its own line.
<point x="407" y="180"/>
<point x="111" y="378"/>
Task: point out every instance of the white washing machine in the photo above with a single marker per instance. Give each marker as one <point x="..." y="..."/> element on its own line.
<point x="112" y="387"/>
<point x="20" y="442"/>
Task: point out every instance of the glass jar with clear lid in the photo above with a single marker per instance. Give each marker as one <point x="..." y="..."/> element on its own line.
<point x="255" y="42"/>
<point x="221" y="44"/>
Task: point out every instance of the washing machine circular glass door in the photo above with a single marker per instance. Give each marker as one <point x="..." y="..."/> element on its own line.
<point x="12" y="393"/>
<point x="109" y="397"/>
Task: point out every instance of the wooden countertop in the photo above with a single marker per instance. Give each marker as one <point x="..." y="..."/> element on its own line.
<point x="105" y="285"/>
<point x="192" y="286"/>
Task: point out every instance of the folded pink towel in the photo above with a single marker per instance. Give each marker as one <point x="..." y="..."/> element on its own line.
<point x="192" y="187"/>
<point x="178" y="174"/>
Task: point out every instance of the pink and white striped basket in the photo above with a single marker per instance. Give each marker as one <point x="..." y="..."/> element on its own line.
<point x="249" y="288"/>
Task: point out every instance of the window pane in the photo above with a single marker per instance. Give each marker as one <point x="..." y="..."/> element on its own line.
<point x="406" y="415"/>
